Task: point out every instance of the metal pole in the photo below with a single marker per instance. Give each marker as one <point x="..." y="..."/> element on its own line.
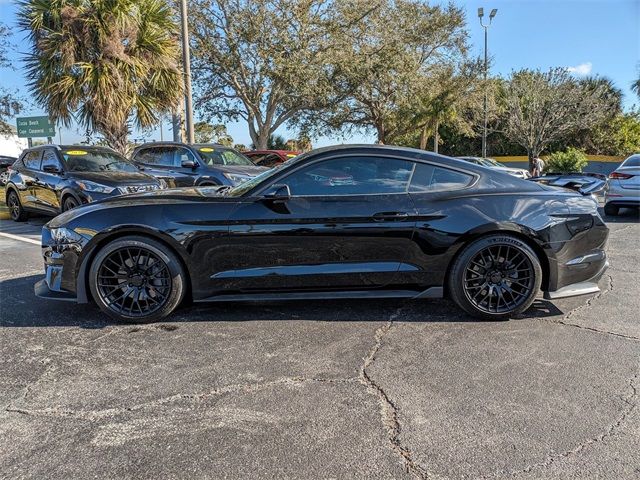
<point x="186" y="62"/>
<point x="484" y="132"/>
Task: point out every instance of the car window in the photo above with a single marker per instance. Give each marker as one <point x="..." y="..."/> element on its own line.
<point x="267" y="160"/>
<point x="96" y="160"/>
<point x="147" y="155"/>
<point x="49" y="158"/>
<point x="223" y="156"/>
<point x="429" y="178"/>
<point x="182" y="155"/>
<point x="351" y="176"/>
<point x="632" y="161"/>
<point x="31" y="159"/>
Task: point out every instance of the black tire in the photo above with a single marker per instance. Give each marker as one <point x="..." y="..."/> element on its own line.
<point x="69" y="203"/>
<point x="18" y="214"/>
<point x="611" y="210"/>
<point x="495" y="269"/>
<point x="137" y="280"/>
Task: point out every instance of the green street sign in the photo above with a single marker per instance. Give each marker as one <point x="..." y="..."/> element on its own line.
<point x="30" y="127"/>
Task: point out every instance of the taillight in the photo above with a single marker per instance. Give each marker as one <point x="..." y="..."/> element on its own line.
<point x="619" y="175"/>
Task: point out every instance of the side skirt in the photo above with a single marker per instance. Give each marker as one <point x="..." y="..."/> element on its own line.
<point x="432" y="292"/>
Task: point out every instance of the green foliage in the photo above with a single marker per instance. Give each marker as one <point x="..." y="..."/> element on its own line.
<point x="10" y="102"/>
<point x="277" y="142"/>
<point x="571" y="160"/>
<point x="207" y="133"/>
<point x="103" y="62"/>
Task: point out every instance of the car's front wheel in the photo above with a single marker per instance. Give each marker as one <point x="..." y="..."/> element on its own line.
<point x="611" y="210"/>
<point x="137" y="279"/>
<point x="69" y="203"/>
<point x="495" y="277"/>
<point x="18" y="214"/>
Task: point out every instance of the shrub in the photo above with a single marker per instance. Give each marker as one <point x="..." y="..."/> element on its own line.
<point x="571" y="160"/>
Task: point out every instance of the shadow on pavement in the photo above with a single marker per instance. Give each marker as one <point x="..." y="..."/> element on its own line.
<point x="21" y="308"/>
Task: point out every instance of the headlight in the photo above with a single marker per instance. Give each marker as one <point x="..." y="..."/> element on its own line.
<point x="65" y="235"/>
<point x="237" y="179"/>
<point x="94" y="187"/>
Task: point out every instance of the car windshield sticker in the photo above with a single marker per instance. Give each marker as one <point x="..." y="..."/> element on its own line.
<point x="75" y="152"/>
<point x="206" y="149"/>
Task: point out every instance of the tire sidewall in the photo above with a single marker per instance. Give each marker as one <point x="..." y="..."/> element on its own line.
<point x="169" y="258"/>
<point x="456" y="279"/>
<point x="21" y="212"/>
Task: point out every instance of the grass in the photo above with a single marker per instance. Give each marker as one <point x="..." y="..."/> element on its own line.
<point x="4" y="211"/>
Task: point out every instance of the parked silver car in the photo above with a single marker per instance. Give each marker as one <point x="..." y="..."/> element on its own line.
<point x="491" y="163"/>
<point x="623" y="186"/>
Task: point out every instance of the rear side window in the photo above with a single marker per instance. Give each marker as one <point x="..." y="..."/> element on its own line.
<point x="429" y="178"/>
<point x="31" y="160"/>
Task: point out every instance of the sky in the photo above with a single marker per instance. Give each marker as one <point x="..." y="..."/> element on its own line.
<point x="589" y="37"/>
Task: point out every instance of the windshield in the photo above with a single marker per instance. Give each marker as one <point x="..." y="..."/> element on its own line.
<point x="223" y="156"/>
<point x="78" y="160"/>
<point x="632" y="161"/>
<point x="243" y="188"/>
<point x="490" y="162"/>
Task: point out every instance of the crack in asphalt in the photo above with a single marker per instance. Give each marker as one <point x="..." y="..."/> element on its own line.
<point x="564" y="320"/>
<point x="94" y="415"/>
<point x="388" y="410"/>
<point x="630" y="400"/>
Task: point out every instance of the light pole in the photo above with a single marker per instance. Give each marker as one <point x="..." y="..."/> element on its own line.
<point x="186" y="62"/>
<point x="486" y="68"/>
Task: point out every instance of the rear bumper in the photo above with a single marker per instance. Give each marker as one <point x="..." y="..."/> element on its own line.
<point x="579" y="288"/>
<point x="42" y="290"/>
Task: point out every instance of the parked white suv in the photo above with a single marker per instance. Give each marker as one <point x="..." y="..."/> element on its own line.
<point x="623" y="186"/>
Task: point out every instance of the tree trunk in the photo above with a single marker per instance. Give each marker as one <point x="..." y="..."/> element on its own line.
<point x="424" y="136"/>
<point x="262" y="139"/>
<point x="116" y="138"/>
<point x="436" y="137"/>
<point x="381" y="134"/>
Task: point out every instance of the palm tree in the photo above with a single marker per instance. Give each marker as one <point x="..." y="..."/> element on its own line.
<point x="105" y="63"/>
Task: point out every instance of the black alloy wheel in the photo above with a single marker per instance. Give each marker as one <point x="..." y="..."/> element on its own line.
<point x="15" y="208"/>
<point x="69" y="203"/>
<point x="496" y="277"/>
<point x="136" y="279"/>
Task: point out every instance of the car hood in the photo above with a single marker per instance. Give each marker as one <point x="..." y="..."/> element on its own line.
<point x="248" y="170"/>
<point x="114" y="179"/>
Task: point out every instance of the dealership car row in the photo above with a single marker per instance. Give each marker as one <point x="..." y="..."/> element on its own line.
<point x="385" y="221"/>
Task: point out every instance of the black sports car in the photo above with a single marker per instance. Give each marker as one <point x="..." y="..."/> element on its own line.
<point x="339" y="222"/>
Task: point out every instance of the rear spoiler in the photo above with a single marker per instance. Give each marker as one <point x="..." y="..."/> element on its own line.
<point x="585" y="183"/>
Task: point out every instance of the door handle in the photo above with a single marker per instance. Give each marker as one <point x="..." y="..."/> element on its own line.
<point x="388" y="216"/>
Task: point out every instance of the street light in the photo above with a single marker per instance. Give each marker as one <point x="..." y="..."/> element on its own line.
<point x="486" y="67"/>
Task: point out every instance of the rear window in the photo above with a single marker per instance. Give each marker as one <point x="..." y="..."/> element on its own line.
<point x="429" y="178"/>
<point x="632" y="161"/>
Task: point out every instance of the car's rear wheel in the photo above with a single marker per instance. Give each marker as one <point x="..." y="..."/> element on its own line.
<point x="18" y="214"/>
<point x="137" y="279"/>
<point x="611" y="210"/>
<point x="69" y="203"/>
<point x="495" y="277"/>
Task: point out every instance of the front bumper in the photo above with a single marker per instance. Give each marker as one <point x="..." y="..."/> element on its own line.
<point x="42" y="290"/>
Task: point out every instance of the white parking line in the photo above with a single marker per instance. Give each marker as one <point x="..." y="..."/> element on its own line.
<point x="18" y="237"/>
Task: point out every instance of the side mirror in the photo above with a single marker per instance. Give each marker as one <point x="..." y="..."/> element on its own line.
<point x="279" y="192"/>
<point x="52" y="169"/>
<point x="189" y="164"/>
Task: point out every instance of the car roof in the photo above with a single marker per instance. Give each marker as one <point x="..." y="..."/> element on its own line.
<point x="284" y="152"/>
<point x="178" y="144"/>
<point x="70" y="147"/>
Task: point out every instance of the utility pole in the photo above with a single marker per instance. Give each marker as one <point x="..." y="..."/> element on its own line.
<point x="486" y="69"/>
<point x="186" y="62"/>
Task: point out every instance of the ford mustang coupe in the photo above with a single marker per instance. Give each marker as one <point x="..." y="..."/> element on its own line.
<point x="340" y="222"/>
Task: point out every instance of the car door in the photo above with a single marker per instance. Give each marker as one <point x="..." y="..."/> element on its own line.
<point x="49" y="182"/>
<point x="347" y="224"/>
<point x="27" y="177"/>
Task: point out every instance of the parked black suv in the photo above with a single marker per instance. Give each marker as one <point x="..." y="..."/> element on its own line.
<point x="51" y="179"/>
<point x="198" y="164"/>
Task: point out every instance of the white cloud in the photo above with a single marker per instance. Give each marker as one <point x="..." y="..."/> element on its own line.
<point x="582" y="69"/>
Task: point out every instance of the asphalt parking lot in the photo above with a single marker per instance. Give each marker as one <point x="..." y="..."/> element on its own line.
<point x="325" y="389"/>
